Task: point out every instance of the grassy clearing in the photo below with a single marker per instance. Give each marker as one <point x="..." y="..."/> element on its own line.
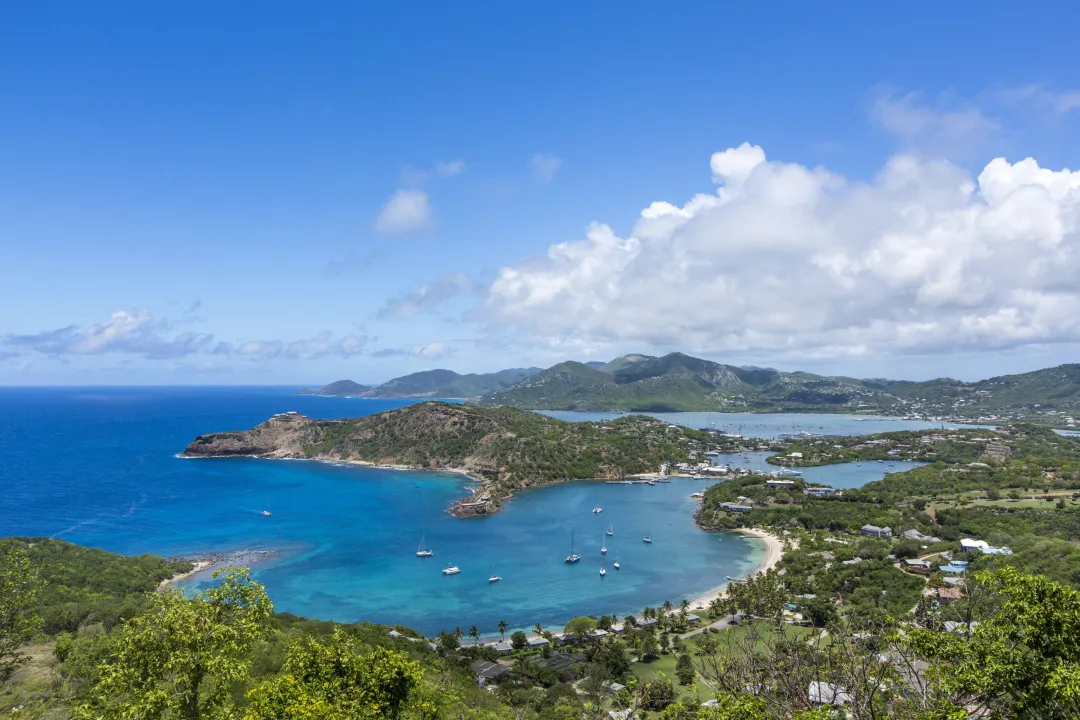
<point x="1037" y="502"/>
<point x="33" y="685"/>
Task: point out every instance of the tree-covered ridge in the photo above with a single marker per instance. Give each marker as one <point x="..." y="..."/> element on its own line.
<point x="85" y="585"/>
<point x="339" y="388"/>
<point x="678" y="382"/>
<point x="503" y="448"/>
<point x="219" y="654"/>
<point x="429" y="384"/>
<point x="869" y="646"/>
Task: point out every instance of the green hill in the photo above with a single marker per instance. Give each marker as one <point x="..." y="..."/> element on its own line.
<point x="504" y="449"/>
<point x="678" y="382"/>
<point x="341" y="388"/>
<point x="449" y="384"/>
<point x="1040" y="392"/>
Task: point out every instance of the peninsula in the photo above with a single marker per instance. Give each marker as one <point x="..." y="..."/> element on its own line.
<point x="503" y="449"/>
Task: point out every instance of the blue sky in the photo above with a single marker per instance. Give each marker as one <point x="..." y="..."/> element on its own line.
<point x="269" y="193"/>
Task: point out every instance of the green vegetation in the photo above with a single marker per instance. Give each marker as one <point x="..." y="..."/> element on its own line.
<point x="19" y="589"/>
<point x="678" y="382"/>
<point x="183" y="655"/>
<point x="83" y="585"/>
<point x="430" y="384"/>
<point x="504" y="448"/>
<point x="341" y="388"/>
<point x="219" y="654"/>
<point x="223" y="654"/>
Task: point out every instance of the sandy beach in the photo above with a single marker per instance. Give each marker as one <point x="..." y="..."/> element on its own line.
<point x="774" y="551"/>
<point x="213" y="561"/>
<point x="197" y="567"/>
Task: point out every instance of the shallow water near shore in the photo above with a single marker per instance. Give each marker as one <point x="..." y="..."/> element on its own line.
<point x="98" y="466"/>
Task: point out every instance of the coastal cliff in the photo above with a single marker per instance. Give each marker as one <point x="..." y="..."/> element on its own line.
<point x="502" y="449"/>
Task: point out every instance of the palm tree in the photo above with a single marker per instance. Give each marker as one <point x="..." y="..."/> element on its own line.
<point x="685" y="605"/>
<point x="457" y="632"/>
<point x="629" y="621"/>
<point x="539" y="629"/>
<point x="502" y="629"/>
<point x="474" y="634"/>
<point x="667" y="606"/>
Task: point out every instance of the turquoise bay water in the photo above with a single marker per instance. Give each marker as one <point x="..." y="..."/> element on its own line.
<point x="843" y="476"/>
<point x="98" y="466"/>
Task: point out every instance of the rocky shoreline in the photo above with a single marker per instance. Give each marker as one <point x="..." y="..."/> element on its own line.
<point x="202" y="562"/>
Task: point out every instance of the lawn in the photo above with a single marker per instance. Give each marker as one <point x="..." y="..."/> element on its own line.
<point x="733" y="639"/>
<point x="1031" y="501"/>
<point x="33" y="686"/>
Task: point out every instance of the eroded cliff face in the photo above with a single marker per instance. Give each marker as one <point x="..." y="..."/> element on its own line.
<point x="289" y="435"/>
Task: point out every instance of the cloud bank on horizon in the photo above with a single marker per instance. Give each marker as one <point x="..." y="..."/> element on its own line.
<point x="777" y="260"/>
<point x="780" y="259"/>
<point x="784" y="258"/>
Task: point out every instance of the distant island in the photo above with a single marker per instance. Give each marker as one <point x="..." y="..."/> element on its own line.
<point x="502" y="449"/>
<point x="430" y="384"/>
<point x="341" y="388"/>
<point x="681" y="383"/>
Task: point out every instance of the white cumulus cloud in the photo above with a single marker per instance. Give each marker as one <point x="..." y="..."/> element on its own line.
<point x="795" y="260"/>
<point x="133" y="332"/>
<point x="405" y="211"/>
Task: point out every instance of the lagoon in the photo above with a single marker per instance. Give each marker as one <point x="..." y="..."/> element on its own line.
<point x="842" y="476"/>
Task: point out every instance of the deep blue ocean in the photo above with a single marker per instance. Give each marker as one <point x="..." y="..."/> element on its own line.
<point x="98" y="466"/>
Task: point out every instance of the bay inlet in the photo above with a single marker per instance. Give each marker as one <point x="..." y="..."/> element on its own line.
<point x="97" y="466"/>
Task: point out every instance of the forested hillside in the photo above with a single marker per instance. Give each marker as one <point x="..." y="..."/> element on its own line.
<point x="504" y="449"/>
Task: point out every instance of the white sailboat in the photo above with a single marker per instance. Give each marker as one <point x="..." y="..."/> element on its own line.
<point x="494" y="577"/>
<point x="266" y="512"/>
<point x="597" y="510"/>
<point x="603" y="547"/>
<point x="603" y="572"/>
<point x="422" y="551"/>
<point x="616" y="564"/>
<point x="572" y="557"/>
<point x="648" y="537"/>
<point x="610" y="530"/>
<point x="451" y="568"/>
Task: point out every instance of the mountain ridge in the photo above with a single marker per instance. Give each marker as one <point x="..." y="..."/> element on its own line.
<point x="437" y="383"/>
<point x="678" y="383"/>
